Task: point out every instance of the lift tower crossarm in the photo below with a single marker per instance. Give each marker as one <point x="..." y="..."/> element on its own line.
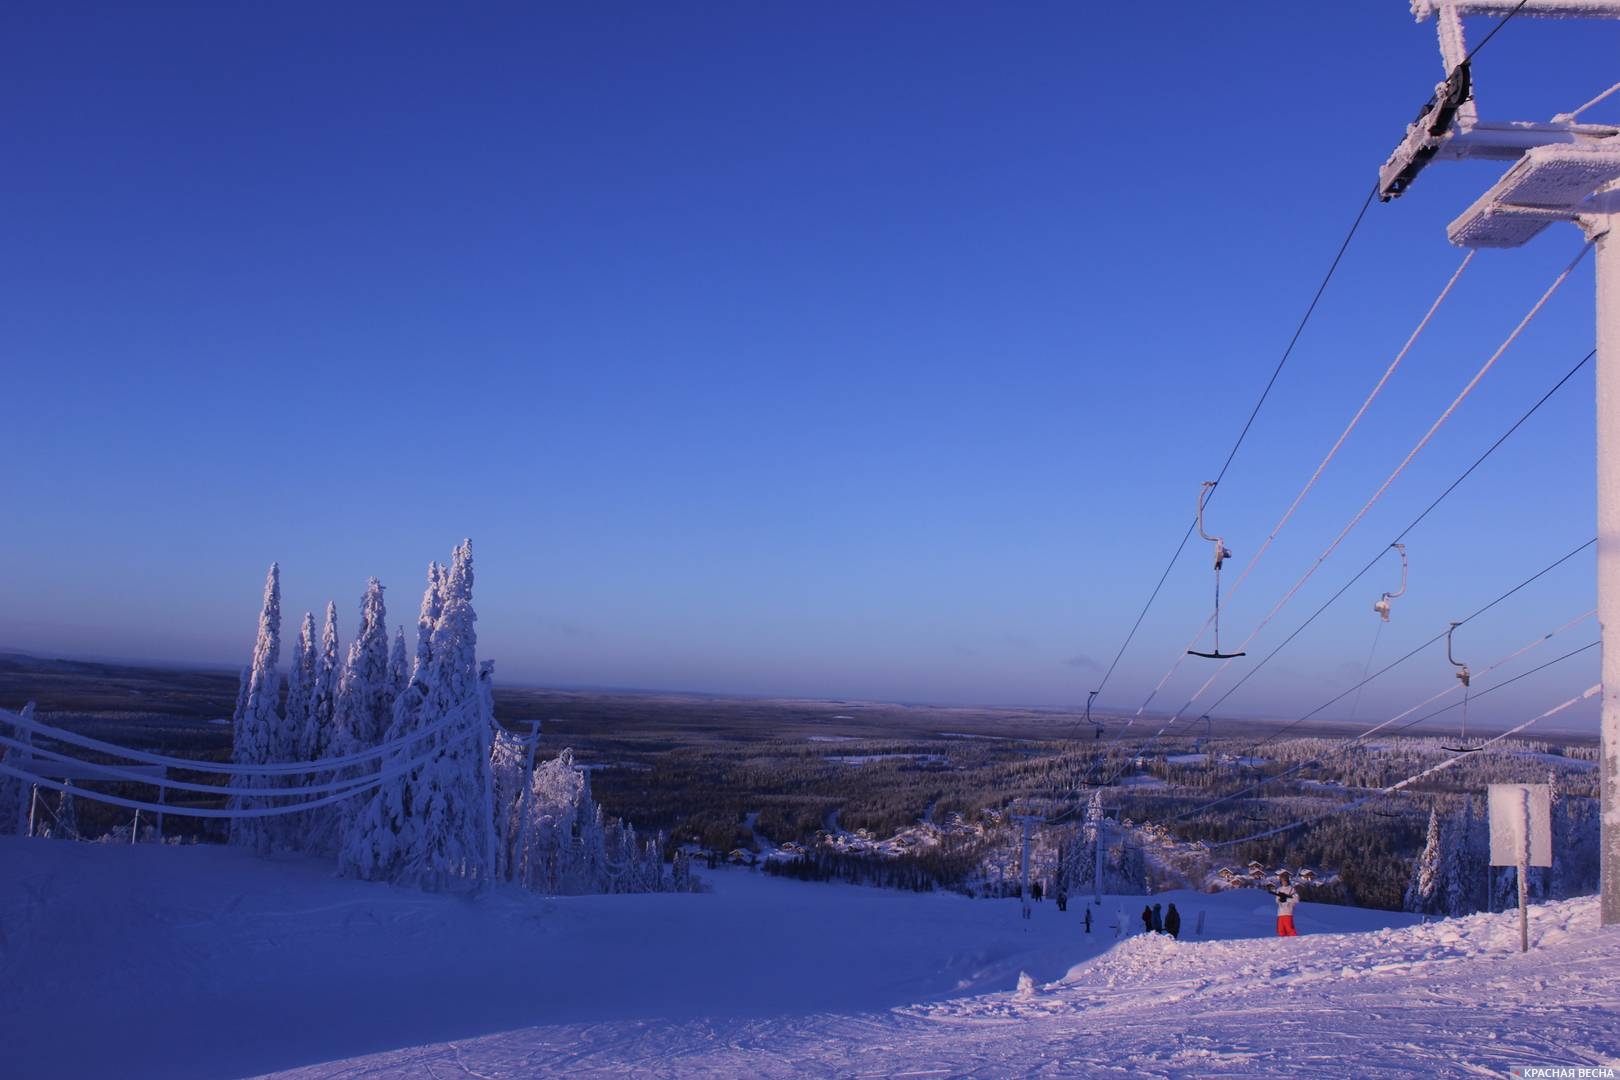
<point x="1448" y="126"/>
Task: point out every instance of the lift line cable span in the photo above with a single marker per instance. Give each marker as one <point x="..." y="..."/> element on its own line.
<point x="1439" y="422"/>
<point x="1316" y="475"/>
<point x="1413" y="524"/>
<point x="1411" y="454"/>
<point x="1350" y="742"/>
<point x="1243" y="434"/>
<point x="1589" y="693"/>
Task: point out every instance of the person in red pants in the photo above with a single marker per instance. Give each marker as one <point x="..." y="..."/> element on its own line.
<point x="1287" y="899"/>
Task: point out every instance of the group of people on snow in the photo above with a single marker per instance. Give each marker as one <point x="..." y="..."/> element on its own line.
<point x="1156" y="922"/>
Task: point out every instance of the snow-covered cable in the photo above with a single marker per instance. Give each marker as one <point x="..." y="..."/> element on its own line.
<point x="391" y="771"/>
<point x="114" y="772"/>
<point x="1321" y="467"/>
<point x="1570" y="116"/>
<point x="1353" y="741"/>
<point x="192" y="765"/>
<point x="1590" y="692"/>
<point x="1282" y="361"/>
<point x="1355" y="520"/>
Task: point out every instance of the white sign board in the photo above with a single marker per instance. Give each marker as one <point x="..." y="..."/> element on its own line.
<point x="1509" y="803"/>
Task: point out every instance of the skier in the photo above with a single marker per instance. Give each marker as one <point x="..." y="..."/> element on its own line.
<point x="1158" y="920"/>
<point x="1147" y="920"/>
<point x="1035" y="892"/>
<point x="1088" y="918"/>
<point x="1287" y="899"/>
<point x="1062" y="898"/>
<point x="1172" y="922"/>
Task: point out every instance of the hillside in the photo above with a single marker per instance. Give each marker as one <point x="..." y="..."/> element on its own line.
<point x="199" y="961"/>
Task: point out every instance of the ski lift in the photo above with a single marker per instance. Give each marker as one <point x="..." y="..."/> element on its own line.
<point x="1467" y="677"/>
<point x="1096" y="724"/>
<point x="1381" y="605"/>
<point x="1221" y="555"/>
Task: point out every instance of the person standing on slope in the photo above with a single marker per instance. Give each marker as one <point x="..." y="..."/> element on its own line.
<point x="1158" y="920"/>
<point x="1287" y="899"/>
<point x="1147" y="919"/>
<point x="1172" y="922"/>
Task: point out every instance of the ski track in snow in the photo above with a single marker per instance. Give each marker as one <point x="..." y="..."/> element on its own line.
<point x="174" y="957"/>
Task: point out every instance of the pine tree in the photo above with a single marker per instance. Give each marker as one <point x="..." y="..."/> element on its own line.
<point x="1550" y="878"/>
<point x="1422" y="894"/>
<point x="434" y="826"/>
<point x="399" y="669"/>
<point x="1462" y="869"/>
<point x="259" y="721"/>
<point x="363" y="708"/>
<point x="66" y="825"/>
<point x="316" y="740"/>
<point x="300" y="694"/>
<point x="432" y="608"/>
<point x="16" y="793"/>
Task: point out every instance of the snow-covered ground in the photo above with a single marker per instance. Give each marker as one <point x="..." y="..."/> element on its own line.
<point x="204" y="962"/>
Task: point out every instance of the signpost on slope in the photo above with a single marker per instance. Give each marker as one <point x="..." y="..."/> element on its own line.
<point x="1562" y="171"/>
<point x="1521" y="836"/>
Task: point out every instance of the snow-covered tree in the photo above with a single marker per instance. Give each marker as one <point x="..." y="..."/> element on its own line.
<point x="1547" y="880"/>
<point x="300" y="693"/>
<point x="66" y="824"/>
<point x="255" y="729"/>
<point x="434" y="825"/>
<point x="316" y="741"/>
<point x="432" y="608"/>
<point x="364" y="707"/>
<point x="1463" y="863"/>
<point x="15" y="794"/>
<point x="399" y="668"/>
<point x="1423" y="893"/>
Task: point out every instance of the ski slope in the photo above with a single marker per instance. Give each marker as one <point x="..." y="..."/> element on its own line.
<point x="205" y="962"/>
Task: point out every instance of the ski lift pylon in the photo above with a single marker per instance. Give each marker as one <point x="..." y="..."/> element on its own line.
<point x="1221" y="555"/>
<point x="1381" y="605"/>
<point x="1466" y="677"/>
<point x="1096" y="724"/>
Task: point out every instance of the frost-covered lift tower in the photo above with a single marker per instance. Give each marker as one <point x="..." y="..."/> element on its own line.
<point x="1562" y="171"/>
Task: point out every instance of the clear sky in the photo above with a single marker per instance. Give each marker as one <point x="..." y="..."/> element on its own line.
<point x="835" y="350"/>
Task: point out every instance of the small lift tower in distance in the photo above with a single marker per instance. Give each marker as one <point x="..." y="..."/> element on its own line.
<point x="1562" y="171"/>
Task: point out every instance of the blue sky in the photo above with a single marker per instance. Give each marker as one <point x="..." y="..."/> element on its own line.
<point x="832" y="350"/>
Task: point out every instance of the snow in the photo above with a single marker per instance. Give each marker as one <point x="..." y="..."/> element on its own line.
<point x="864" y="759"/>
<point x="174" y="956"/>
<point x="1187" y="759"/>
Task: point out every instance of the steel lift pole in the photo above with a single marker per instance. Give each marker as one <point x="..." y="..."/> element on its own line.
<point x="1562" y="171"/>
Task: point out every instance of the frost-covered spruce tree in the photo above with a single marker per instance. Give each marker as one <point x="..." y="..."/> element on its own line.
<point x="66" y="825"/>
<point x="508" y="767"/>
<point x="432" y="608"/>
<point x="399" y="668"/>
<point x="256" y="731"/>
<point x="316" y="741"/>
<point x="433" y="826"/>
<point x="364" y="707"/>
<point x="15" y="794"/>
<point x="1547" y="879"/>
<point x="378" y="831"/>
<point x="1422" y="893"/>
<point x="1462" y="867"/>
<point x="300" y="693"/>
